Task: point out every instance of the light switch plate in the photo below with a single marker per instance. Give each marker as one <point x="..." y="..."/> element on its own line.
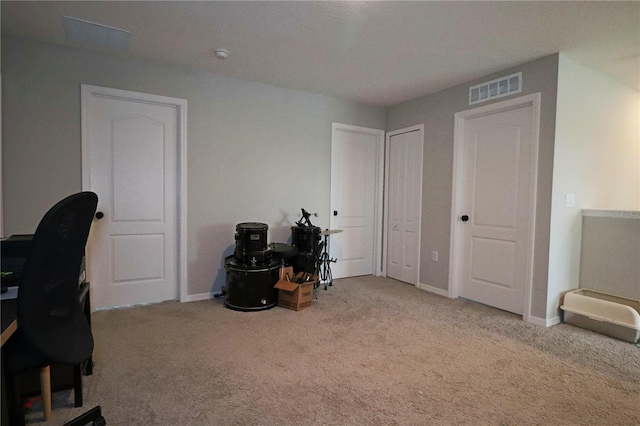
<point x="570" y="200"/>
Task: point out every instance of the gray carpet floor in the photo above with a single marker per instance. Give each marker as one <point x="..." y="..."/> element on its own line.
<point x="370" y="351"/>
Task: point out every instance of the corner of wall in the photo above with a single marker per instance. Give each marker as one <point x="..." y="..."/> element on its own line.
<point x="596" y="156"/>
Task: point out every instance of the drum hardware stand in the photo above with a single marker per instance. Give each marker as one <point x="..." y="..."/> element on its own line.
<point x="324" y="265"/>
<point x="304" y="220"/>
<point x="324" y="261"/>
<point x="223" y="292"/>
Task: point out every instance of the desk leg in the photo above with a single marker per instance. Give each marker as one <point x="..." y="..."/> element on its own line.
<point x="16" y="416"/>
<point x="5" y="412"/>
<point x="77" y="385"/>
<point x="12" y="410"/>
<point x="88" y="369"/>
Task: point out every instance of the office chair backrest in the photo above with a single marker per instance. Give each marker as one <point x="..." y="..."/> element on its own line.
<point x="49" y="312"/>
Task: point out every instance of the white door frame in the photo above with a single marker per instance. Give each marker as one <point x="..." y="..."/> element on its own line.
<point x="181" y="107"/>
<point x="385" y="231"/>
<point x="378" y="194"/>
<point x="456" y="250"/>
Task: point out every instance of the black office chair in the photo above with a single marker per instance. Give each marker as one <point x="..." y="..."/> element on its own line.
<point x="52" y="327"/>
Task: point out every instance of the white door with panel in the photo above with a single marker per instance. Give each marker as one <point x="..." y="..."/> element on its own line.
<point x="130" y="159"/>
<point x="355" y="179"/>
<point x="404" y="195"/>
<point x="496" y="209"/>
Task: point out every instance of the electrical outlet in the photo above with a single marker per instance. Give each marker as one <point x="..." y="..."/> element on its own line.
<point x="434" y="256"/>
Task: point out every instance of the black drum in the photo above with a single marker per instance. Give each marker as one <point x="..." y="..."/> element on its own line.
<point x="251" y="244"/>
<point x="255" y="258"/>
<point x="251" y="288"/>
<point x="306" y="238"/>
<point x="306" y="261"/>
<point x="285" y="253"/>
<point x="251" y="237"/>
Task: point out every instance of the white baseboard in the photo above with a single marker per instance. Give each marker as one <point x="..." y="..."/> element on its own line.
<point x="431" y="289"/>
<point x="197" y="297"/>
<point x="548" y="322"/>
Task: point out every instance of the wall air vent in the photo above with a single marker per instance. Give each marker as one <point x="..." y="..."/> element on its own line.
<point x="494" y="89"/>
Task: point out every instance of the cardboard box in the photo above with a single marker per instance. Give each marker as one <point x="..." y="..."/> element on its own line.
<point x="293" y="295"/>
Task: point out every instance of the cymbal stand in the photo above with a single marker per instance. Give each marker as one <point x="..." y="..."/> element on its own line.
<point x="324" y="264"/>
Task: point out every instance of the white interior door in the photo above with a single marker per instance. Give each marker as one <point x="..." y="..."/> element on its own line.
<point x="355" y="180"/>
<point x="497" y="199"/>
<point x="404" y="206"/>
<point x="131" y="152"/>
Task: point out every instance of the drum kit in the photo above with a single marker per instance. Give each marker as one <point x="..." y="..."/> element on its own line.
<point x="253" y="268"/>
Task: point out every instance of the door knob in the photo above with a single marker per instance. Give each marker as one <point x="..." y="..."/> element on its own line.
<point x="99" y="215"/>
<point x="335" y="212"/>
<point x="464" y="218"/>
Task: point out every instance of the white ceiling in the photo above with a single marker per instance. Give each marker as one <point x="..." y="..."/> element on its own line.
<point x="377" y="53"/>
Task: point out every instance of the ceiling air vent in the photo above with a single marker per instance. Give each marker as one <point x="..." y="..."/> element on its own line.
<point x="494" y="89"/>
<point x="87" y="32"/>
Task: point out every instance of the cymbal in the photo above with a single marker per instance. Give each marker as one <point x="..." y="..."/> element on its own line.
<point x="330" y="231"/>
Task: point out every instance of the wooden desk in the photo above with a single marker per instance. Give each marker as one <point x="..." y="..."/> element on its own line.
<point x="9" y="321"/>
<point x="9" y="326"/>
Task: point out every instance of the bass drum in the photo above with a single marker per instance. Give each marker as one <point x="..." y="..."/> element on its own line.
<point x="251" y="288"/>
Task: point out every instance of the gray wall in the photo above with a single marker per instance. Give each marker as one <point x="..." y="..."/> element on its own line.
<point x="610" y="253"/>
<point x="255" y="152"/>
<point x="437" y="111"/>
